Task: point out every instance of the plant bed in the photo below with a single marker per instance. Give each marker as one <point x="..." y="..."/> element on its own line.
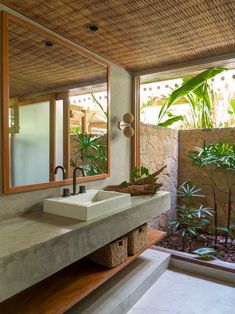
<point x="227" y="269"/>
<point x="223" y="253"/>
<point x="188" y="230"/>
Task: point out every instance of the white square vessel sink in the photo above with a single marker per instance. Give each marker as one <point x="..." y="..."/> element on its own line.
<point x="90" y="205"/>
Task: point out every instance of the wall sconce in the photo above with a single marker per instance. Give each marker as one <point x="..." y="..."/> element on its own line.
<point x="125" y="124"/>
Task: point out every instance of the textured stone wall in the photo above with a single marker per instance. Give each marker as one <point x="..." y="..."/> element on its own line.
<point x="158" y="147"/>
<point x="188" y="139"/>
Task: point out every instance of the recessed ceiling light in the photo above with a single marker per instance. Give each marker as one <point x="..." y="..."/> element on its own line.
<point x="48" y="43"/>
<point x="93" y="28"/>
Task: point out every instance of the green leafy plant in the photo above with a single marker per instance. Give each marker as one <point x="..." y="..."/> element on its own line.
<point x="142" y="175"/>
<point x="232" y="106"/>
<point x="190" y="219"/>
<point x="76" y="130"/>
<point x="200" y="97"/>
<point x="206" y="253"/>
<point x="189" y="191"/>
<point x="229" y="231"/>
<point x="91" y="151"/>
<point x="137" y="173"/>
<point x="95" y="100"/>
<point x="213" y="157"/>
<point x="142" y="182"/>
<point x="203" y="157"/>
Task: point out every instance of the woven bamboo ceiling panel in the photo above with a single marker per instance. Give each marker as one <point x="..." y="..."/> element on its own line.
<point x="37" y="69"/>
<point x="140" y="34"/>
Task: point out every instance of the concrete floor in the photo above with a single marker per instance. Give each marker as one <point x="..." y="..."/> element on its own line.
<point x="179" y="293"/>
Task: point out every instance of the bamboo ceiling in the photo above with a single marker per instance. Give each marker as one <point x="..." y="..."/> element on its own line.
<point x="140" y="34"/>
<point x="38" y="69"/>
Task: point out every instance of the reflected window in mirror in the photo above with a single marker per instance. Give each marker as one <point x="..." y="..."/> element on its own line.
<point x="29" y="147"/>
<point x="88" y="129"/>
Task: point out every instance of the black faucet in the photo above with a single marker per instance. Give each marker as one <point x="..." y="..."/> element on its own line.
<point x="62" y="169"/>
<point x="75" y="176"/>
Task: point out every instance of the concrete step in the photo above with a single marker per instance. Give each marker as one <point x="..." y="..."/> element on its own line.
<point x="223" y="275"/>
<point x="186" y="293"/>
<point x="119" y="294"/>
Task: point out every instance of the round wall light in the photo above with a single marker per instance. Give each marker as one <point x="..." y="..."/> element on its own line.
<point x="125" y="124"/>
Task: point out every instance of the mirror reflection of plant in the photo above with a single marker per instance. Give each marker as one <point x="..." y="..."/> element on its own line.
<point x="76" y="130"/>
<point x="90" y="170"/>
<point x="91" y="151"/>
<point x="95" y="101"/>
<point x="190" y="219"/>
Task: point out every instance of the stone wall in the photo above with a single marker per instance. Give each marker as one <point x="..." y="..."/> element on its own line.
<point x="163" y="146"/>
<point x="188" y="139"/>
<point x="158" y="147"/>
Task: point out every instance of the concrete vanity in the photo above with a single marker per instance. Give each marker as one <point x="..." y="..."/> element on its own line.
<point x="35" y="246"/>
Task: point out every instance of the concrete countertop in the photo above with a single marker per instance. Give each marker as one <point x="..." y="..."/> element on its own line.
<point x="36" y="245"/>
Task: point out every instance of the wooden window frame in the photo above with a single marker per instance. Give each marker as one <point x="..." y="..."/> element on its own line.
<point x="167" y="73"/>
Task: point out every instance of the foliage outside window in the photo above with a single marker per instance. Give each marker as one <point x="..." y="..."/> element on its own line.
<point x="204" y="101"/>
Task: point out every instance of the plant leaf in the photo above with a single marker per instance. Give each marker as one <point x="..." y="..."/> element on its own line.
<point x="232" y="104"/>
<point x="124" y="184"/>
<point x="223" y="229"/>
<point x="204" y="250"/>
<point x="99" y="104"/>
<point x="189" y="86"/>
<point x="170" y="121"/>
<point x="194" y="83"/>
<point x="144" y="171"/>
<point x="134" y="173"/>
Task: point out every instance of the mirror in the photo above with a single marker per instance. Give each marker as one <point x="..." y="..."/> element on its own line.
<point x="57" y="110"/>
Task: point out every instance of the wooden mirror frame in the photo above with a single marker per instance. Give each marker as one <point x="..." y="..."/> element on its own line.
<point x="7" y="189"/>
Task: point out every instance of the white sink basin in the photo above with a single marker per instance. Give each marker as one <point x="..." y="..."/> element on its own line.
<point x="92" y="204"/>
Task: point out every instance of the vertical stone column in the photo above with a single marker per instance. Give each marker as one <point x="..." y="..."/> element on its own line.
<point x="158" y="147"/>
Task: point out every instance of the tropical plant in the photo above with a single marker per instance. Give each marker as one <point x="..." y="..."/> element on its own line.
<point x="231" y="111"/>
<point x="200" y="96"/>
<point x="213" y="157"/>
<point x="95" y="101"/>
<point x="229" y="231"/>
<point x="189" y="219"/>
<point x="91" y="151"/>
<point x="206" y="253"/>
<point x="202" y="157"/>
<point x="76" y="130"/>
